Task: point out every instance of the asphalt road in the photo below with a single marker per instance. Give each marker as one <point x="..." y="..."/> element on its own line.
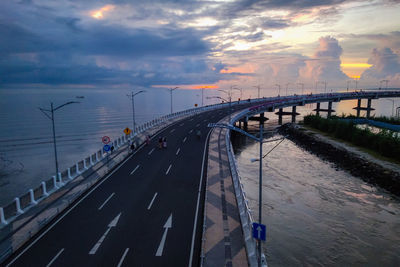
<point x="143" y="214"/>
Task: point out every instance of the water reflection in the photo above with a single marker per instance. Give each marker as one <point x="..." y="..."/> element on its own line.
<point x="317" y="215"/>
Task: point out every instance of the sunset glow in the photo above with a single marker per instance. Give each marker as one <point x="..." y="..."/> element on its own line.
<point x="99" y="14"/>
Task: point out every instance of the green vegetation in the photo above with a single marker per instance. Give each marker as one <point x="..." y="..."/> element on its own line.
<point x="385" y="143"/>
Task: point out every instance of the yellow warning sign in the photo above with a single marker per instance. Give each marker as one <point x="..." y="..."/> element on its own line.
<point x="127" y="131"/>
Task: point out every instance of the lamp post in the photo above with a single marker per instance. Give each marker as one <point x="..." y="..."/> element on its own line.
<point x="170" y="90"/>
<point x="202" y="97"/>
<point x="348" y="82"/>
<point x="287" y="85"/>
<point x="229" y="93"/>
<point x="279" y="89"/>
<point x="302" y="87"/>
<point x="383" y="81"/>
<point x="241" y="92"/>
<point x="392" y="100"/>
<point x="49" y="113"/>
<point x="260" y="139"/>
<point x="258" y="87"/>
<point x="132" y="95"/>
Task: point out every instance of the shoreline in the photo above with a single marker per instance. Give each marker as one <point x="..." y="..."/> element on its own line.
<point x="359" y="164"/>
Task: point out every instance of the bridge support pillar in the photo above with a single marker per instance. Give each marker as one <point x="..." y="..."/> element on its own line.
<point x="358" y="107"/>
<point x="280" y="116"/>
<point x="318" y="108"/>
<point x="262" y="118"/>
<point x="245" y="124"/>
<point x="293" y="114"/>
<point x="369" y="108"/>
<point x="329" y="108"/>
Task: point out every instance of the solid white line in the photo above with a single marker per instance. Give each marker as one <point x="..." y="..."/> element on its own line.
<point x="168" y="169"/>
<point x="106" y="201"/>
<point x="97" y="245"/>
<point x="55" y="257"/>
<point x="151" y="151"/>
<point x="184" y="139"/>
<point x="177" y="152"/>
<point x="190" y="119"/>
<point x="151" y="203"/>
<point x="191" y="131"/>
<point x="123" y="257"/>
<point x="135" y="169"/>
<point x="68" y="211"/>
<point x="173" y="130"/>
<point x="197" y="125"/>
<point x="198" y="201"/>
<point x="181" y="124"/>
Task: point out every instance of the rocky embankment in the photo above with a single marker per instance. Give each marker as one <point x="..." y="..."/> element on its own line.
<point x="368" y="170"/>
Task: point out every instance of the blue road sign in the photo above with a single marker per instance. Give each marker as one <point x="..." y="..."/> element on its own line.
<point x="259" y="231"/>
<point x="106" y="148"/>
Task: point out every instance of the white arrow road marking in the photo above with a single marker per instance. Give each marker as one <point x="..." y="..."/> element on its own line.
<point x="106" y="201"/>
<point x="113" y="223"/>
<point x="135" y="169"/>
<point x="151" y="151"/>
<point x="184" y="139"/>
<point x="151" y="203"/>
<point x="55" y="257"/>
<point x="177" y="152"/>
<point x="123" y="257"/>
<point x="167" y="225"/>
<point x="169" y="168"/>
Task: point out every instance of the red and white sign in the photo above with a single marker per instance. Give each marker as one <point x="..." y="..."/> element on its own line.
<point x="105" y="139"/>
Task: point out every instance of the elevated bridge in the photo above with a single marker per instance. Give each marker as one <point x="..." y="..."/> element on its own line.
<point x="182" y="205"/>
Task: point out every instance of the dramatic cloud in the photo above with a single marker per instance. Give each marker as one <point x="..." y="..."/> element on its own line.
<point x="144" y="43"/>
<point x="385" y="65"/>
<point x="325" y="64"/>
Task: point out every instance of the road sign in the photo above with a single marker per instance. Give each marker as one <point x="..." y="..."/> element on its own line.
<point x="127" y="131"/>
<point x="106" y="148"/>
<point x="259" y="231"/>
<point x="105" y="139"/>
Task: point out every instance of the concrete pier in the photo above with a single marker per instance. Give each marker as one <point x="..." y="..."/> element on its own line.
<point x="368" y="108"/>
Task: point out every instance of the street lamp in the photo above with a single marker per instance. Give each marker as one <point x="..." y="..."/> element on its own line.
<point x="258" y="87"/>
<point x="348" y="82"/>
<point x="170" y="90"/>
<point x="319" y="82"/>
<point x="241" y="92"/>
<point x="287" y="85"/>
<point x="49" y="113"/>
<point x="383" y="81"/>
<point x="302" y="87"/>
<point x="261" y="141"/>
<point x="229" y="93"/>
<point x="392" y="105"/>
<point x="279" y="89"/>
<point x="132" y="95"/>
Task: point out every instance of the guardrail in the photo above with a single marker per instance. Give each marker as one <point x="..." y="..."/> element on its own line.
<point x="22" y="203"/>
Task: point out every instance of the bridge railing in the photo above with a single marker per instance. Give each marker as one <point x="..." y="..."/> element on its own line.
<point x="21" y="204"/>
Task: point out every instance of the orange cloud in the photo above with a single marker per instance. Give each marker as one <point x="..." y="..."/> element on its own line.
<point x="209" y="86"/>
<point x="98" y="14"/>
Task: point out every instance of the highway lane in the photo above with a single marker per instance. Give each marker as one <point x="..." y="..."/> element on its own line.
<point x="142" y="215"/>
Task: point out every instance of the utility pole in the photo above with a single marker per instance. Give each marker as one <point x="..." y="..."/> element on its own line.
<point x="132" y="95"/>
<point x="49" y="113"/>
<point x="302" y="87"/>
<point x="258" y="87"/>
<point x="170" y="90"/>
<point x="279" y="89"/>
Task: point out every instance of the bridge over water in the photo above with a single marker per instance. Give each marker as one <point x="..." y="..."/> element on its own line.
<point x="154" y="207"/>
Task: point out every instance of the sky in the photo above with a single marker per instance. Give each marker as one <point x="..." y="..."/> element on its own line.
<point x="194" y="44"/>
